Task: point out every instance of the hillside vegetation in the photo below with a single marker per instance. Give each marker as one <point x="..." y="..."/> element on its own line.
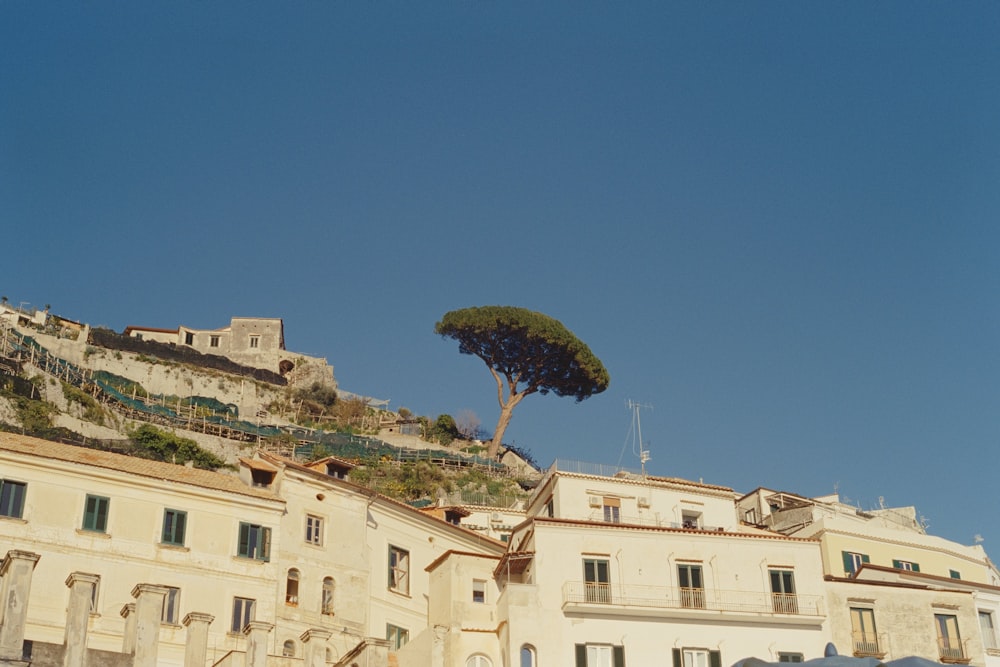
<point x="71" y="391"/>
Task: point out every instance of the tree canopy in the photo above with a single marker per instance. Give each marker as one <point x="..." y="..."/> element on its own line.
<point x="527" y="352"/>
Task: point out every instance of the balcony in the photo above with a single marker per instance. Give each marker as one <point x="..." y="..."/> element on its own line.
<point x="692" y="603"/>
<point x="951" y="651"/>
<point x="867" y="645"/>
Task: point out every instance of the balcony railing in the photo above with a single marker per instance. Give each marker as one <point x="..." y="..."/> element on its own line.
<point x="708" y="599"/>
<point x="866" y="645"/>
<point x="785" y="603"/>
<point x="951" y="650"/>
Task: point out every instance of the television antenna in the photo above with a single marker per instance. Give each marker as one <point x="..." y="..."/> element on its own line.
<point x="634" y="435"/>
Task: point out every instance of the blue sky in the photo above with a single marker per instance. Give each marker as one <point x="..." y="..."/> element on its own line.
<point x="775" y="223"/>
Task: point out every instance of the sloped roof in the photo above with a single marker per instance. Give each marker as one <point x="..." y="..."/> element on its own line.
<point x="206" y="479"/>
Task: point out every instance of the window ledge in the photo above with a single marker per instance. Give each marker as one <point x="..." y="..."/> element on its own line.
<point x="399" y="593"/>
<point x="173" y="547"/>
<point x="12" y="519"/>
<point x="244" y="559"/>
<point x="93" y="533"/>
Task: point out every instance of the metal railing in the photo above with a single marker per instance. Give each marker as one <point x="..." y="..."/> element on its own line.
<point x="866" y="644"/>
<point x="709" y="599"/>
<point x="950" y="649"/>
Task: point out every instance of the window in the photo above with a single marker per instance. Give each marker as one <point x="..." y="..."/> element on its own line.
<point x="750" y="516"/>
<point x="292" y="587"/>
<point x="327" y="602"/>
<point x="597" y="581"/>
<point x="243" y="613"/>
<point x="696" y="657"/>
<point x="255" y="542"/>
<point x="12" y="498"/>
<point x="171" y="606"/>
<point x="254" y="342"/>
<point x="863" y="635"/>
<point x="399" y="570"/>
<point x="478" y="661"/>
<point x="213" y="341"/>
<point x="954" y="574"/>
<point x="905" y="565"/>
<point x="527" y="656"/>
<point x="853" y="561"/>
<point x="783" y="592"/>
<point x="188" y="338"/>
<point x="612" y="510"/>
<point x="314" y="530"/>
<point x="397" y="636"/>
<point x="95" y="589"/>
<point x="988" y="629"/>
<point x="95" y="514"/>
<point x="479" y="590"/>
<point x="288" y="649"/>
<point x="789" y="657"/>
<point x="692" y="589"/>
<point x="174" y="522"/>
<point x="600" y="655"/>
<point x="690" y="519"/>
<point x="550" y="508"/>
<point x="949" y="641"/>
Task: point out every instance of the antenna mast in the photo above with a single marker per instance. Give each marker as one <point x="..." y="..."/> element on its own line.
<point x="637" y="445"/>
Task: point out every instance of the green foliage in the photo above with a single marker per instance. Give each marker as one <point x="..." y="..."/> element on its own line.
<point x="318" y="395"/>
<point x="318" y="452"/>
<point x="445" y="430"/>
<point x="534" y="351"/>
<point x="526" y="352"/>
<point x="405" y="413"/>
<point x="164" y="446"/>
<point x="35" y="416"/>
<point x="92" y="410"/>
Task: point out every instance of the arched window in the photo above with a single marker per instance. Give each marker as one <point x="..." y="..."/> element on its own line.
<point x="478" y="660"/>
<point x="328" y="586"/>
<point x="292" y="587"/>
<point x="527" y="656"/>
<point x="288" y="649"/>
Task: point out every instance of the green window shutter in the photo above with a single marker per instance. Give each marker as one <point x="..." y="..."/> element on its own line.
<point x="102" y="514"/>
<point x="619" y="653"/>
<point x="677" y="658"/>
<point x="180" y="524"/>
<point x="916" y="568"/>
<point x="244" y="544"/>
<point x="581" y="655"/>
<point x="715" y="659"/>
<point x="898" y="564"/>
<point x="848" y="562"/>
<point x="865" y="558"/>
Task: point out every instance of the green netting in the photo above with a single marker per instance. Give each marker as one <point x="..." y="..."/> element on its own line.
<point x="343" y="445"/>
<point x="216" y="406"/>
<point x="354" y="447"/>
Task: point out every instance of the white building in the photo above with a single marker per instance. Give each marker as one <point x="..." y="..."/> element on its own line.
<point x="607" y="571"/>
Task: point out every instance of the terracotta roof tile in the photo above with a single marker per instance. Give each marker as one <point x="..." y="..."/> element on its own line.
<point x="22" y="444"/>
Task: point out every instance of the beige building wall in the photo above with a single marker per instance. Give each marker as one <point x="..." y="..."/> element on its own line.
<point x="904" y="619"/>
<point x="206" y="569"/>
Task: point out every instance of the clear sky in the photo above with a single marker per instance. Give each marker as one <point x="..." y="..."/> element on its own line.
<point x="775" y="222"/>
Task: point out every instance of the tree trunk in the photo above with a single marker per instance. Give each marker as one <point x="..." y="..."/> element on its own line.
<point x="505" y="414"/>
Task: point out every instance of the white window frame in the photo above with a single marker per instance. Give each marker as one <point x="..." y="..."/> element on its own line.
<point x="988" y="628"/>
<point x="171" y="612"/>
<point x="399" y="570"/>
<point x="247" y="609"/>
<point x="479" y="591"/>
<point x="314" y="530"/>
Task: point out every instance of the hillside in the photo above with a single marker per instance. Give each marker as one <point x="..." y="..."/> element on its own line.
<point x="64" y="381"/>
